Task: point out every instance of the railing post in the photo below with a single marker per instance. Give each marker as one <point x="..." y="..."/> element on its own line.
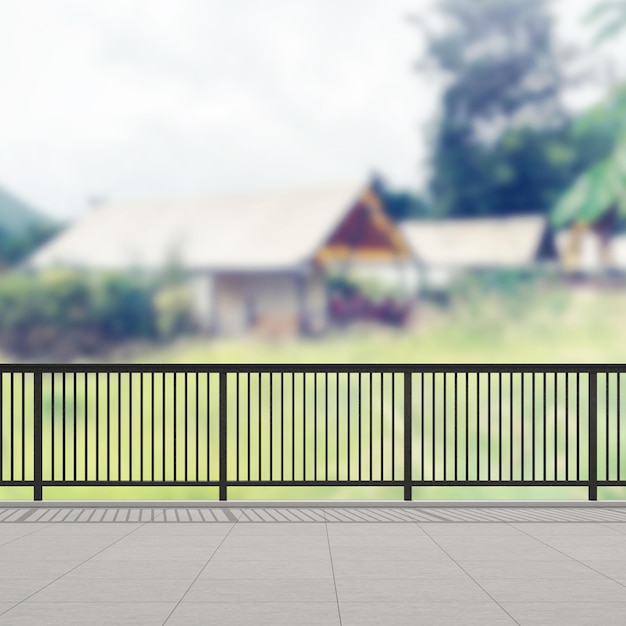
<point x="408" y="437"/>
<point x="223" y="464"/>
<point x="37" y="438"/>
<point x="593" y="436"/>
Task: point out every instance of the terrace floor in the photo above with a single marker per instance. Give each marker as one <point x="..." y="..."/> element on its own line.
<point x="275" y="564"/>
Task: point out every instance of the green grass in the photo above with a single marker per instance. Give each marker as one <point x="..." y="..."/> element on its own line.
<point x="559" y="328"/>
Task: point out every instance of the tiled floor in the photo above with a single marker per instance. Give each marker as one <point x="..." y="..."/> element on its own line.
<point x="311" y="565"/>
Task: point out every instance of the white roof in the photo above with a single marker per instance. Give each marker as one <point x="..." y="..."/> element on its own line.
<point x="271" y="230"/>
<point x="467" y="243"/>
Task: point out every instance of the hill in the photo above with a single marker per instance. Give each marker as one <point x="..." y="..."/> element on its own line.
<point x="17" y="217"/>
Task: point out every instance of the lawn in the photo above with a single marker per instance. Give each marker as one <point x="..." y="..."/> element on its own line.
<point x="558" y="327"/>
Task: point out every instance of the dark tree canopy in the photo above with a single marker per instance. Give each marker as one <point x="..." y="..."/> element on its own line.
<point x="503" y="144"/>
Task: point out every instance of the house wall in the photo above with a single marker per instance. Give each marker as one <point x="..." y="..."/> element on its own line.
<point x="232" y="304"/>
<point x="230" y="312"/>
<point x="201" y="287"/>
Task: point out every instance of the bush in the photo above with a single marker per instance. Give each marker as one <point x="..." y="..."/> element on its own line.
<point x="173" y="311"/>
<point x="64" y="313"/>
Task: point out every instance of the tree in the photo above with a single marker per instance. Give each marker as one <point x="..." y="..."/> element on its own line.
<point x="399" y="205"/>
<point x="598" y="195"/>
<point x="502" y="143"/>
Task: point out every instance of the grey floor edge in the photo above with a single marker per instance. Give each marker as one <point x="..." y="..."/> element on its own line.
<point x="239" y="504"/>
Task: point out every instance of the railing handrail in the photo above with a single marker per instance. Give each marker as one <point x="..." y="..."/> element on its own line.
<point x="495" y="368"/>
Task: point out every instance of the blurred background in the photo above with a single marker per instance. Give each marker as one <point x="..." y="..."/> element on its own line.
<point x="209" y="182"/>
<point x="402" y="181"/>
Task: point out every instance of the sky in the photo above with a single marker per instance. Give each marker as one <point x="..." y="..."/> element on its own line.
<point x="127" y="98"/>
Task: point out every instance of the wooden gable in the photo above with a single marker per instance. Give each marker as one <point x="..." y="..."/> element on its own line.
<point x="366" y="233"/>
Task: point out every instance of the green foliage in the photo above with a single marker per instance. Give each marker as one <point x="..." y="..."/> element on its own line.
<point x="503" y="144"/>
<point x="505" y="294"/>
<point x="173" y="305"/>
<point x="400" y="205"/>
<point x="611" y="19"/>
<point x="601" y="187"/>
<point x="65" y="313"/>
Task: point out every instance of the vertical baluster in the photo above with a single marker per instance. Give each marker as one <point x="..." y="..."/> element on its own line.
<point x="489" y="426"/>
<point x="371" y="430"/>
<point x="271" y="375"/>
<point x="444" y="375"/>
<point x="534" y="426"/>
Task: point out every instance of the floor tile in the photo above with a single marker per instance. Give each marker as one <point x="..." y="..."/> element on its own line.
<point x="93" y="614"/>
<point x="579" y="613"/>
<point x="262" y="590"/>
<point x="259" y="614"/>
<point x="413" y="613"/>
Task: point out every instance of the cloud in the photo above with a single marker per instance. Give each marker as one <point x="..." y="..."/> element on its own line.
<point x="164" y="97"/>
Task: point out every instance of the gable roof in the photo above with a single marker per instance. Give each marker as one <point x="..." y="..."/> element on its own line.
<point x="269" y="230"/>
<point x="476" y="243"/>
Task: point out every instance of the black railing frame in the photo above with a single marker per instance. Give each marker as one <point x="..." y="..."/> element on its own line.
<point x="407" y="481"/>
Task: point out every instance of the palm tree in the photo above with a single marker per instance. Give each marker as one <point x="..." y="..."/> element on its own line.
<point x="599" y="194"/>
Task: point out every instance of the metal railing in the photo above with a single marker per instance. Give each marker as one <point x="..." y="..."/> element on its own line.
<point x="310" y="425"/>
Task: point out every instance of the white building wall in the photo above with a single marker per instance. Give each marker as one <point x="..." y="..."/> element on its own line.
<point x="233" y="304"/>
<point x="202" y="287"/>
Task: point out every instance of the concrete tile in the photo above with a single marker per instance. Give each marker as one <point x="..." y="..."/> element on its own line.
<point x="459" y="588"/>
<point x="592" y="587"/>
<point x="286" y="529"/>
<point x="395" y="553"/>
<point x="497" y="529"/>
<point x="132" y="553"/>
<point x="389" y="529"/>
<point x="363" y="567"/>
<point x="413" y="613"/>
<point x="580" y="613"/>
<point x="17" y="589"/>
<point x="153" y="569"/>
<point x="263" y="590"/>
<point x="604" y="542"/>
<point x="75" y="587"/>
<point x="5" y="606"/>
<point x="619" y="527"/>
<point x="94" y="614"/>
<point x="166" y="543"/>
<point x="512" y="569"/>
<point x="247" y="541"/>
<point x="582" y="552"/>
<point x="259" y="614"/>
<point x="173" y="529"/>
<point x="361" y="540"/>
<point x="268" y="568"/>
<point x="17" y="531"/>
<point x="33" y="567"/>
<point x="557" y="529"/>
<point x="612" y="568"/>
<point x="489" y="552"/>
<point x="261" y="552"/>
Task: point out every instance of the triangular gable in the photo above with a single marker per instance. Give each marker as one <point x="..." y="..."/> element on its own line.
<point x="365" y="233"/>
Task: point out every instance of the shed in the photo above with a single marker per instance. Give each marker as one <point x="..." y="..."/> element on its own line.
<point x="253" y="259"/>
<point x="447" y="248"/>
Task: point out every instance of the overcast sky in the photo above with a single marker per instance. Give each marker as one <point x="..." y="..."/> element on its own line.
<point x="189" y="97"/>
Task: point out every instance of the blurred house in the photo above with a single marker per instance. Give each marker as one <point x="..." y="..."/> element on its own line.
<point x="591" y="250"/>
<point x="252" y="260"/>
<point x="448" y="248"/>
